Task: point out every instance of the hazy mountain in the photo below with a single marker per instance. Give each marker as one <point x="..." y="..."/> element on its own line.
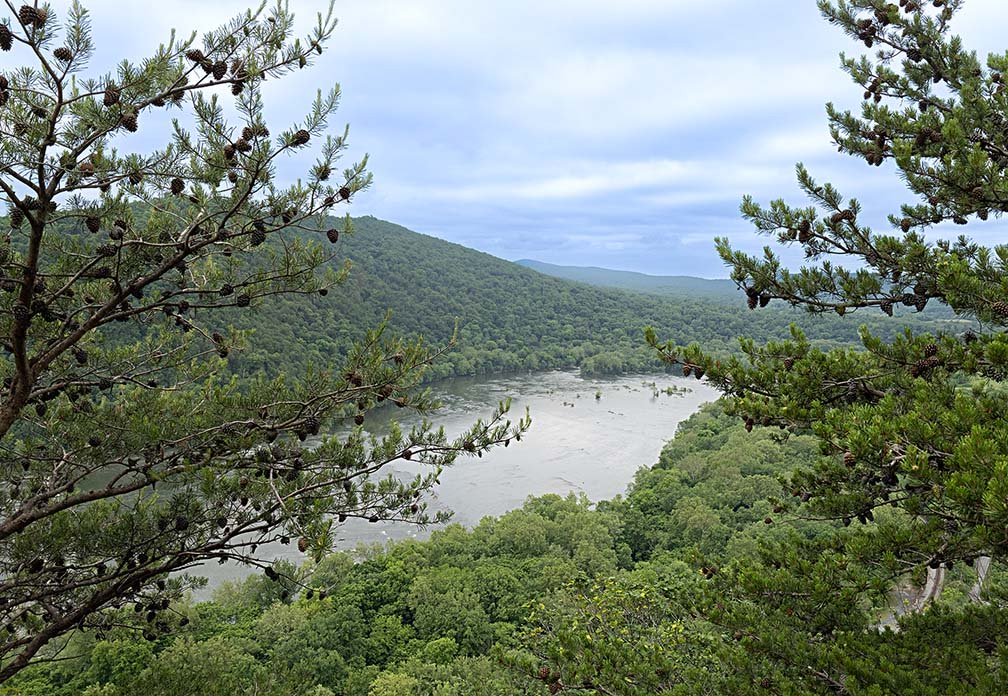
<point x="688" y="286"/>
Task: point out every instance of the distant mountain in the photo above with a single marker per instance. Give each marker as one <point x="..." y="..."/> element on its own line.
<point x="681" y="286"/>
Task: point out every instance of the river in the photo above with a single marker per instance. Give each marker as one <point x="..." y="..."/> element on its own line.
<point x="577" y="443"/>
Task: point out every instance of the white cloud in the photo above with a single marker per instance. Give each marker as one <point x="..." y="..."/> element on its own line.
<point x="591" y="126"/>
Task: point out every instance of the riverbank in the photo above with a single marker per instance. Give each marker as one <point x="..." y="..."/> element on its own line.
<point x="589" y="436"/>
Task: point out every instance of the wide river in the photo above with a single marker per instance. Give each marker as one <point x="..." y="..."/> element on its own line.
<point x="577" y="443"/>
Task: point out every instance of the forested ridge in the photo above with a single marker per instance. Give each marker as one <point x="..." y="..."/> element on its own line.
<point x="509" y="317"/>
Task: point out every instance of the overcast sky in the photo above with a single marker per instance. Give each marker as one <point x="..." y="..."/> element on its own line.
<point x="588" y="132"/>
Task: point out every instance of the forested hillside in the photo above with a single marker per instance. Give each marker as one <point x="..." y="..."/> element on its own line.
<point x="591" y="592"/>
<point x="509" y="317"/>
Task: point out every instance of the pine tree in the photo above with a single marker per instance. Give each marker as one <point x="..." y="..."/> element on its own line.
<point x="918" y="424"/>
<point x="913" y="432"/>
<point x="128" y="454"/>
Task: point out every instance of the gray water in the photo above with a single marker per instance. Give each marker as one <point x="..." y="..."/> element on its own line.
<point x="577" y="443"/>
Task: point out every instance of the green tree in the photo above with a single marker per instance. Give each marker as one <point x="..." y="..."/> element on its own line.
<point x="128" y="455"/>
<point x="913" y="431"/>
<point x="917" y="423"/>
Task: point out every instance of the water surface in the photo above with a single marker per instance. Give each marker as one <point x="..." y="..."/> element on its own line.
<point x="577" y="443"/>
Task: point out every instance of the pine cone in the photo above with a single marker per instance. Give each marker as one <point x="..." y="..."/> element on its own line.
<point x="344" y="193"/>
<point x="258" y="236"/>
<point x="177" y="186"/>
<point x="849" y="459"/>
<point x="886" y="307"/>
<point x="243" y="300"/>
<point x="931" y="349"/>
<point x="333" y="235"/>
<point x="28" y="15"/>
<point x="20" y="312"/>
<point x="195" y="55"/>
<point x="226" y="289"/>
<point x="301" y="137"/>
<point x="129" y="121"/>
<point x="924" y="366"/>
<point x="1000" y="308"/>
<point x="111" y="96"/>
<point x="16" y="218"/>
<point x="6" y="38"/>
<point x="237" y="87"/>
<point x="218" y="69"/>
<point x="63" y="54"/>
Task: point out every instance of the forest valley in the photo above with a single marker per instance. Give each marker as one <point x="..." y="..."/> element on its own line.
<point x="176" y="325"/>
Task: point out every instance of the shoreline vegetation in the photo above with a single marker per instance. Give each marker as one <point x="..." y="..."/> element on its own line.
<point x="468" y="610"/>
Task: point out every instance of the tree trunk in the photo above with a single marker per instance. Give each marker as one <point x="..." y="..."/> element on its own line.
<point x="982" y="568"/>
<point x="933" y="587"/>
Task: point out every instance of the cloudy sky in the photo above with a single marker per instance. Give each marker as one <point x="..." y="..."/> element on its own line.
<point x="588" y="132"/>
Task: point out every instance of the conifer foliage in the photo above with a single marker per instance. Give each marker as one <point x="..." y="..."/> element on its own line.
<point x="919" y="423"/>
<point x="126" y="454"/>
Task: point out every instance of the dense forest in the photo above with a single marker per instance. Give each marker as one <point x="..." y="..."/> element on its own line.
<point x="480" y="611"/>
<point x="509" y="317"/>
